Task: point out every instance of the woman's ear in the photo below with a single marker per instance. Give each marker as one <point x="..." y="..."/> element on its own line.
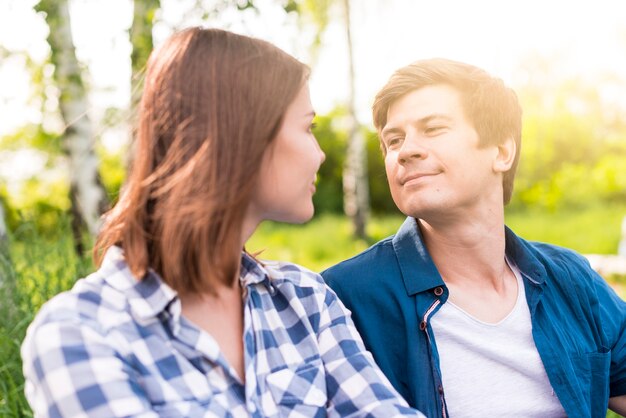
<point x="506" y="155"/>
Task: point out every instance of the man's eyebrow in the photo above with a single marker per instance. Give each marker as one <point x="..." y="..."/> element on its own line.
<point x="390" y="130"/>
<point x="434" y="116"/>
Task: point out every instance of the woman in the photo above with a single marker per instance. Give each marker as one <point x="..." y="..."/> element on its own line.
<point x="179" y="320"/>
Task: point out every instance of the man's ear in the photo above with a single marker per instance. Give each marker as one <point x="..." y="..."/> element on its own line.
<point x="506" y="155"/>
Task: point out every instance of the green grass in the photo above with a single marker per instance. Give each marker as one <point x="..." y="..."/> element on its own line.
<point x="41" y="266"/>
<point x="36" y="269"/>
<point x="326" y="240"/>
<point x="318" y="244"/>
<point x="592" y="231"/>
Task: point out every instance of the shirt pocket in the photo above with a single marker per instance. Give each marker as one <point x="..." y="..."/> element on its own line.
<point x="300" y="389"/>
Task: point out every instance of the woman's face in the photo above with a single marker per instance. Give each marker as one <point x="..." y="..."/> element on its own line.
<point x="287" y="178"/>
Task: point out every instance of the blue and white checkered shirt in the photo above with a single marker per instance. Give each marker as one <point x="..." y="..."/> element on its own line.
<point x="114" y="346"/>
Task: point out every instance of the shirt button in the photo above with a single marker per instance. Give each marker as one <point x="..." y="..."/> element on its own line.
<point x="271" y="288"/>
<point x="438" y="291"/>
<point x="440" y="389"/>
<point x="423" y="325"/>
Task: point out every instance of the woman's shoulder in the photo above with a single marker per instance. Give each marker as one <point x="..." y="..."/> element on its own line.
<point x="295" y="274"/>
<point x="101" y="301"/>
<point x="90" y="301"/>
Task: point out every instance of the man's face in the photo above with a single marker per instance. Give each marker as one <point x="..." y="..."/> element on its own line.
<point x="434" y="165"/>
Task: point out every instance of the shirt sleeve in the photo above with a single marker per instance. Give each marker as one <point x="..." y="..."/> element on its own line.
<point x="70" y="370"/>
<point x="355" y="385"/>
<point x="613" y="311"/>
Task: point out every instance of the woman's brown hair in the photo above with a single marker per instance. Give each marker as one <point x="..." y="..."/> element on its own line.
<point x="213" y="101"/>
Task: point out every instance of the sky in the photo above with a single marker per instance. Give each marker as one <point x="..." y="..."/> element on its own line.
<point x="585" y="38"/>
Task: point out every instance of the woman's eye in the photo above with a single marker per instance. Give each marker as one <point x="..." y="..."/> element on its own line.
<point x="312" y="127"/>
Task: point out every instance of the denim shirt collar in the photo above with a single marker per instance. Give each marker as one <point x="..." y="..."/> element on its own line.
<point x="518" y="251"/>
<point x="420" y="274"/>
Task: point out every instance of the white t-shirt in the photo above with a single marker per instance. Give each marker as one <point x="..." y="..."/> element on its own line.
<point x="493" y="369"/>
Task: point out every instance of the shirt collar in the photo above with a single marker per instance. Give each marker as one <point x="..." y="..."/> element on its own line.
<point x="418" y="270"/>
<point x="254" y="272"/>
<point x="521" y="253"/>
<point x="150" y="296"/>
<point x="420" y="273"/>
<point x="147" y="297"/>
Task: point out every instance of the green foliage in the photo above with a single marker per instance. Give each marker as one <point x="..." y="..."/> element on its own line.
<point x="333" y="138"/>
<point x="380" y="197"/>
<point x="141" y="32"/>
<point x="112" y="172"/>
<point x="329" y="194"/>
<point x="32" y="136"/>
<point x="573" y="149"/>
<point x="316" y="12"/>
<point x="40" y="204"/>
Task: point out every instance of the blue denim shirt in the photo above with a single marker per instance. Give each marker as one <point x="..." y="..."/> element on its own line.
<point x="579" y="322"/>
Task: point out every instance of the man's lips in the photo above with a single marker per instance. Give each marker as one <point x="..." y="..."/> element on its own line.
<point x="415" y="176"/>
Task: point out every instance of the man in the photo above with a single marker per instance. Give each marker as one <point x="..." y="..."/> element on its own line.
<point x="464" y="317"/>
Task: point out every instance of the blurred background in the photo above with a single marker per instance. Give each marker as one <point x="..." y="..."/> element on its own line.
<point x="71" y="71"/>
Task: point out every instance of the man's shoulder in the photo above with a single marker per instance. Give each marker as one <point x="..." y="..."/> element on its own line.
<point x="559" y="252"/>
<point x="558" y="261"/>
<point x="372" y="261"/>
<point x="553" y="253"/>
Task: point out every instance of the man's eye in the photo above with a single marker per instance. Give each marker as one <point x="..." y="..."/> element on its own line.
<point x="434" y="129"/>
<point x="393" y="142"/>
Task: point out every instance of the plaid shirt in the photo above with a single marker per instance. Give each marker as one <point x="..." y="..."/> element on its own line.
<point x="115" y="346"/>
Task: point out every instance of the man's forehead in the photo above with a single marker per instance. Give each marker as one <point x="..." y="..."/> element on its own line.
<point x="426" y="103"/>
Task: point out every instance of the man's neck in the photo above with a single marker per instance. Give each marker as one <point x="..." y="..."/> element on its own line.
<point x="471" y="261"/>
<point x="472" y="249"/>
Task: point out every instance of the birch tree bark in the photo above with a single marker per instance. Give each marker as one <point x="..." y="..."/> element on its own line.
<point x="355" y="185"/>
<point x="87" y="194"/>
<point x="354" y="176"/>
<point x="4" y="239"/>
<point x="3" y="224"/>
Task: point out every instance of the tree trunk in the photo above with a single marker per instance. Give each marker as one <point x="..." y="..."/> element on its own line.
<point x="355" y="186"/>
<point x="4" y="239"/>
<point x="3" y="224"/>
<point x="87" y="194"/>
